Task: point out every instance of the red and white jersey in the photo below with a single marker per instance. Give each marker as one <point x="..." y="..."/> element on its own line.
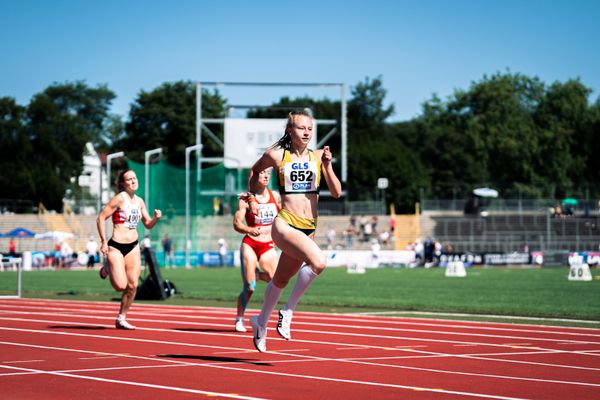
<point x="267" y="212"/>
<point x="129" y="215"/>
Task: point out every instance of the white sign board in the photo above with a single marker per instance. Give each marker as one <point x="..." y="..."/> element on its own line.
<point x="382" y="183"/>
<point x="246" y="139"/>
<point x="456" y="268"/>
<point x="580" y="272"/>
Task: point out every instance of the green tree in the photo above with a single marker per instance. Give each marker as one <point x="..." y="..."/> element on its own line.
<point x="166" y="117"/>
<point x="483" y="136"/>
<point x="15" y="152"/>
<point x="61" y="120"/>
<point x="512" y="132"/>
<point x="376" y="149"/>
<point x="563" y="117"/>
<point x="365" y="109"/>
<point x="591" y="147"/>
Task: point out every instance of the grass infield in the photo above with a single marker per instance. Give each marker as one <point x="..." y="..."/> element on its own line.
<point x="499" y="291"/>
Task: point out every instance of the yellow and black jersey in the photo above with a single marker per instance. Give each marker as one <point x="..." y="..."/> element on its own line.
<point x="299" y="176"/>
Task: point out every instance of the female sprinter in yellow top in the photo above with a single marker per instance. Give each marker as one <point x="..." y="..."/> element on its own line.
<point x="299" y="170"/>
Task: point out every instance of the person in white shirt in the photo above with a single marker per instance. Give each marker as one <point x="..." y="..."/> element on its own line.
<point x="92" y="250"/>
<point x="222" y="243"/>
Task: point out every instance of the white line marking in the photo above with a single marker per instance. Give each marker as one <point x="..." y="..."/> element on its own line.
<point x="472" y="325"/>
<point x="338" y="360"/>
<point x="590" y="352"/>
<point x="296" y="340"/>
<point x="338" y="333"/>
<point x="146" y="385"/>
<point x="435" y="390"/>
<point x="516" y="317"/>
<point x="22" y="361"/>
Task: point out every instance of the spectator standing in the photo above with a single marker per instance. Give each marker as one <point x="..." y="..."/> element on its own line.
<point x="349" y="236"/>
<point x="167" y="245"/>
<point x="91" y="250"/>
<point x="392" y="224"/>
<point x="419" y="248"/>
<point x="330" y="239"/>
<point x="361" y="227"/>
<point x="374" y="222"/>
<point x="12" y="247"/>
<point x="367" y="231"/>
<point x="222" y="249"/>
<point x="65" y="253"/>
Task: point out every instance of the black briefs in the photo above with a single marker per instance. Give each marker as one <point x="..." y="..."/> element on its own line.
<point x="124" y="248"/>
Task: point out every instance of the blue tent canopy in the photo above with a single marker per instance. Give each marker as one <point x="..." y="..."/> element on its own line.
<point x="18" y="233"/>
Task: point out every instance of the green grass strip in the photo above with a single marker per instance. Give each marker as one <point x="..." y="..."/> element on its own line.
<point x="535" y="292"/>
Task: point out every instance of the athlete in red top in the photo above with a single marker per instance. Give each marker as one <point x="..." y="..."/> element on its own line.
<point x="257" y="245"/>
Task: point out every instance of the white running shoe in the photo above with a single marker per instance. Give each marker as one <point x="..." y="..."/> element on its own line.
<point x="239" y="325"/>
<point x="283" y="324"/>
<point x="260" y="335"/>
<point x="123" y="324"/>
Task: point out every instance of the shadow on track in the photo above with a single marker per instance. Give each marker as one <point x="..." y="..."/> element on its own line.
<point x="204" y="330"/>
<point x="214" y="359"/>
<point x="91" y="328"/>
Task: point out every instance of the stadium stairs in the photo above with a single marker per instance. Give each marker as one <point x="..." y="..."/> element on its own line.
<point x="512" y="232"/>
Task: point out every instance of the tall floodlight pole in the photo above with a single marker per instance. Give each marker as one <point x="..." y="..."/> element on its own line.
<point x="147" y="156"/>
<point x="108" y="160"/>
<point x="198" y="126"/>
<point x="188" y="150"/>
<point x="344" y="135"/>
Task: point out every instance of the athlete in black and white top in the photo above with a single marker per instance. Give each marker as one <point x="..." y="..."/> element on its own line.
<point x="122" y="250"/>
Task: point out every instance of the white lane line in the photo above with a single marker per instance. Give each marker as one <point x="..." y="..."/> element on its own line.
<point x="338" y="333"/>
<point x="350" y="348"/>
<point x="145" y="385"/>
<point x="22" y="361"/>
<point x="441" y="314"/>
<point x="308" y="357"/>
<point x="212" y="365"/>
<point x="472" y="325"/>
<point x="79" y="370"/>
<point x="586" y="353"/>
<point x="487" y="357"/>
<point x="319" y="342"/>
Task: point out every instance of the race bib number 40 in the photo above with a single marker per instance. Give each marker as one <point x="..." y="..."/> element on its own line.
<point x="301" y="176"/>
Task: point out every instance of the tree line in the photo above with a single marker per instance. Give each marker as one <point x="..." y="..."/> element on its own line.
<point x="509" y="131"/>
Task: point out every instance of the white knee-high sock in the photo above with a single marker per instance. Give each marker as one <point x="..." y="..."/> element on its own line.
<point x="272" y="295"/>
<point x="305" y="278"/>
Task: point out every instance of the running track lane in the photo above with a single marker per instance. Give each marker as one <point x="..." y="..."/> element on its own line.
<point x="52" y="349"/>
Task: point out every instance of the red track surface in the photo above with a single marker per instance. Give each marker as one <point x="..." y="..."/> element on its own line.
<point x="68" y="349"/>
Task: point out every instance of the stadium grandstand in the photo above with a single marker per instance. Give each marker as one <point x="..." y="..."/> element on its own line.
<point x="506" y="227"/>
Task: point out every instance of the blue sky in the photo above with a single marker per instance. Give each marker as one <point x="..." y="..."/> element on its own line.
<point x="418" y="47"/>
